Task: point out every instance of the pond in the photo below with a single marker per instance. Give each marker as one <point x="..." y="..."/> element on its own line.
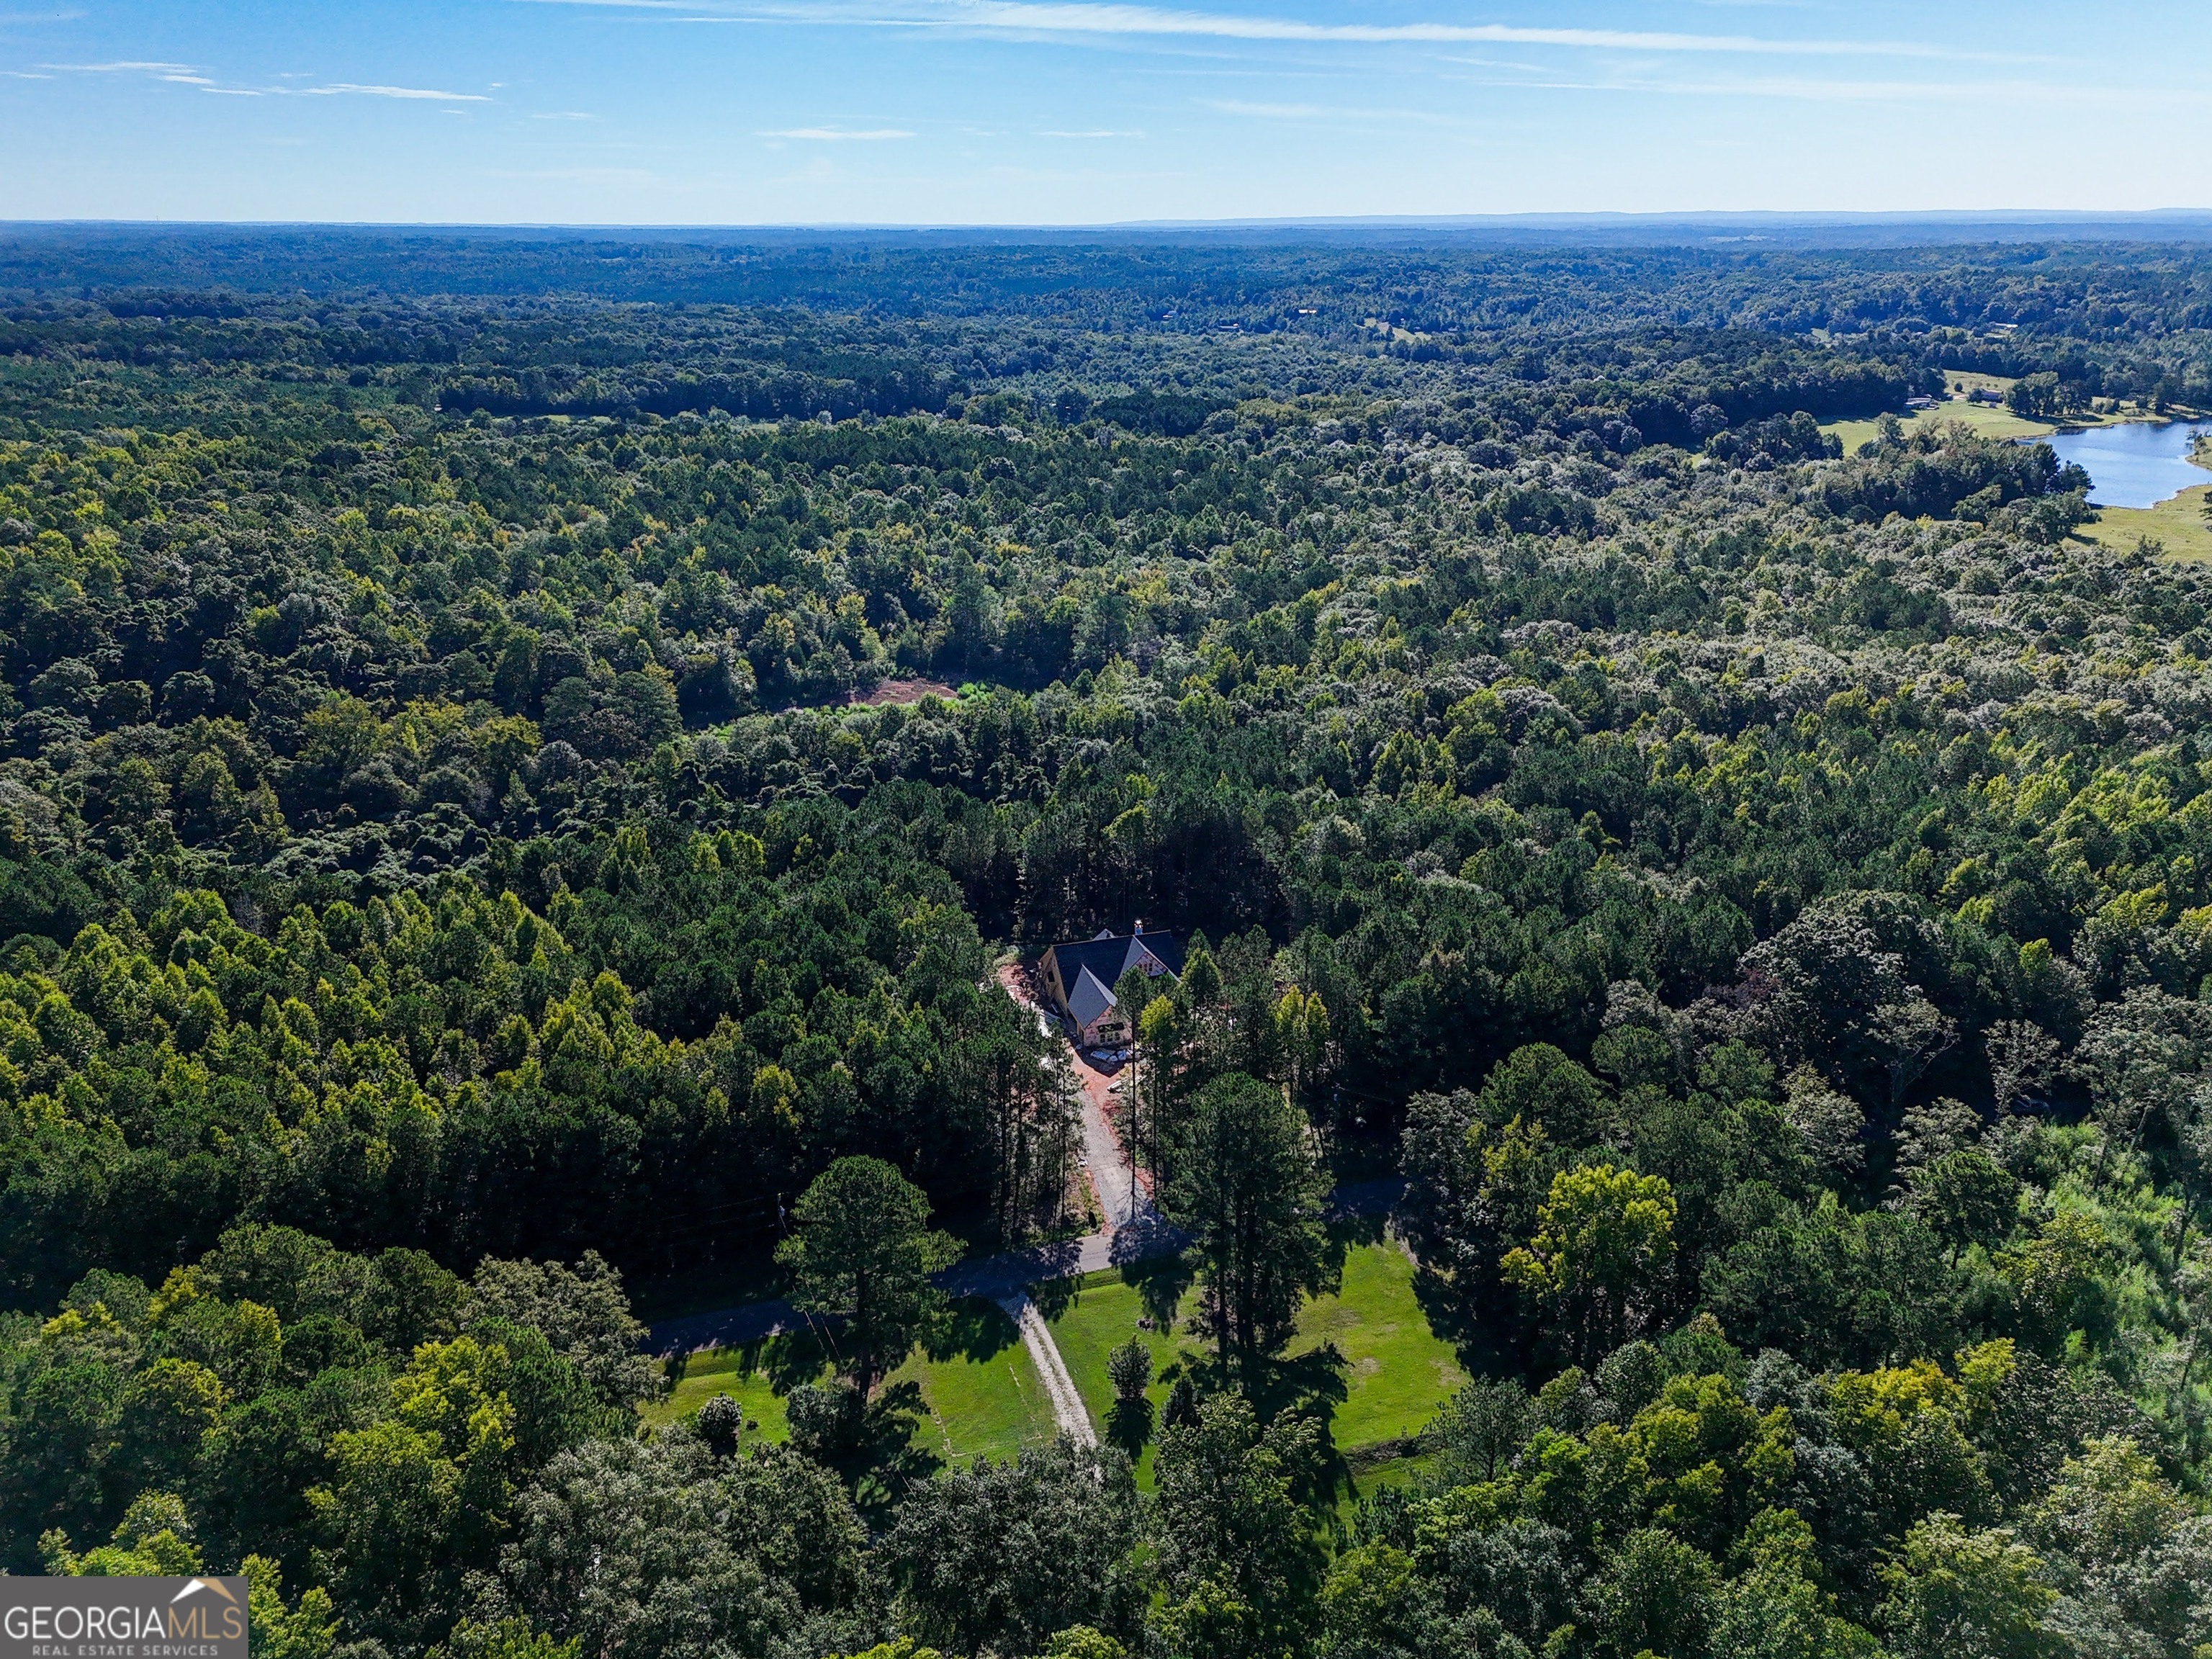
<point x="2137" y="463"/>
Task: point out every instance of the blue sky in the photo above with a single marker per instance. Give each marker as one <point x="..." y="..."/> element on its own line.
<point x="722" y="112"/>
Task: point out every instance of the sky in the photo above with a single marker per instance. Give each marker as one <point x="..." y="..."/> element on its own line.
<point x="1085" y="112"/>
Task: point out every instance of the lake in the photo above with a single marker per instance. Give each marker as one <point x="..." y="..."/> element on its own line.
<point x="2138" y="464"/>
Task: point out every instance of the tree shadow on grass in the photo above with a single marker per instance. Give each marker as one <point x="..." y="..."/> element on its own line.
<point x="1129" y="1426"/>
<point x="973" y="1329"/>
<point x="886" y="1460"/>
<point x="1342" y="1236"/>
<point x="1452" y="1316"/>
<point x="1309" y="1386"/>
<point x="1350" y="1232"/>
<point x="1160" y="1284"/>
<point x="1054" y="1296"/>
<point x="788" y="1358"/>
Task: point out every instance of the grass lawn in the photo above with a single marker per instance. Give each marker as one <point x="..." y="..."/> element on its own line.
<point x="980" y="1389"/>
<point x="1983" y="420"/>
<point x="1964" y="379"/>
<point x="1400" y="1372"/>
<point x="757" y="1376"/>
<point x="1099" y="1316"/>
<point x="981" y="1394"/>
<point x="1397" y="1371"/>
<point x="2179" y="523"/>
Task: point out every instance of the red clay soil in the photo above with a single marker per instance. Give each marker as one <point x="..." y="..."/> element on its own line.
<point x="907" y="691"/>
<point x="886" y="691"/>
<point x="1015" y="976"/>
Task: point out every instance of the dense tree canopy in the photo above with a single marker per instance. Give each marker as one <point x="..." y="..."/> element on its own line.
<point x="520" y="755"/>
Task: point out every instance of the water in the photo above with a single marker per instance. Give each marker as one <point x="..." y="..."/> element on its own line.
<point x="2138" y="464"/>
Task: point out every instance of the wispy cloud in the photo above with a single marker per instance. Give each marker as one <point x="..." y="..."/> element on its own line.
<point x="347" y="88"/>
<point x="564" y="115"/>
<point x="184" y="74"/>
<point x="191" y="75"/>
<point x="1092" y="17"/>
<point x="1093" y="132"/>
<point x="1322" y="112"/>
<point x="127" y="66"/>
<point x="838" y="135"/>
<point x="1823" y="91"/>
<point x="1079" y="17"/>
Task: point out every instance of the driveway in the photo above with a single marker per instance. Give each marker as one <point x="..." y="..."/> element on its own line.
<point x="1134" y="1230"/>
<point x="1124" y="1198"/>
<point x="997" y="1278"/>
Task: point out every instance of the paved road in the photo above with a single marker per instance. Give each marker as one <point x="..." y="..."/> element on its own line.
<point x="1121" y="1196"/>
<point x="995" y="1277"/>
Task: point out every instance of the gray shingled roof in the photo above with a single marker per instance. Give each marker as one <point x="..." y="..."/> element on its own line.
<point x="1087" y="998"/>
<point x="1111" y="956"/>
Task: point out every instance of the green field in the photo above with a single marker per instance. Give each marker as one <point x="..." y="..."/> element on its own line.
<point x="1963" y="379"/>
<point x="1396" y="1372"/>
<point x="1399" y="1371"/>
<point x="2179" y="524"/>
<point x="978" y="1386"/>
<point x="981" y="1389"/>
<point x="757" y="1376"/>
<point x="981" y="1394"/>
<point x="1983" y="420"/>
<point x="1101" y="1316"/>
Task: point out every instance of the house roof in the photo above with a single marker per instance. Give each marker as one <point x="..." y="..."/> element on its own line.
<point x="1087" y="998"/>
<point x="1109" y="956"/>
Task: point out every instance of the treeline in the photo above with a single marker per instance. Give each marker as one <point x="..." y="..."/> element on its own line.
<point x="686" y="1031"/>
<point x="1425" y="283"/>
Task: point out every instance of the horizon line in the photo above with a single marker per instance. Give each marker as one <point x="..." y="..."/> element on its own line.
<point x="1591" y="218"/>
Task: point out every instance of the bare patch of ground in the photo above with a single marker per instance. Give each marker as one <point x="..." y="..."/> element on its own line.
<point x="910" y="691"/>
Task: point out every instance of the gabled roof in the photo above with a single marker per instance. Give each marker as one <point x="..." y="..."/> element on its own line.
<point x="1087" y="998"/>
<point x="1111" y="956"/>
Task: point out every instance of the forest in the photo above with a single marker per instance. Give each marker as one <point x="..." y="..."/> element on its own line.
<point x="521" y="755"/>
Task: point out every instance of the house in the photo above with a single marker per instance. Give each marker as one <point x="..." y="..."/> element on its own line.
<point x="1077" y="979"/>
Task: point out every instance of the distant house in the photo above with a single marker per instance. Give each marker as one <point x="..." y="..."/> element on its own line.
<point x="1079" y="977"/>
